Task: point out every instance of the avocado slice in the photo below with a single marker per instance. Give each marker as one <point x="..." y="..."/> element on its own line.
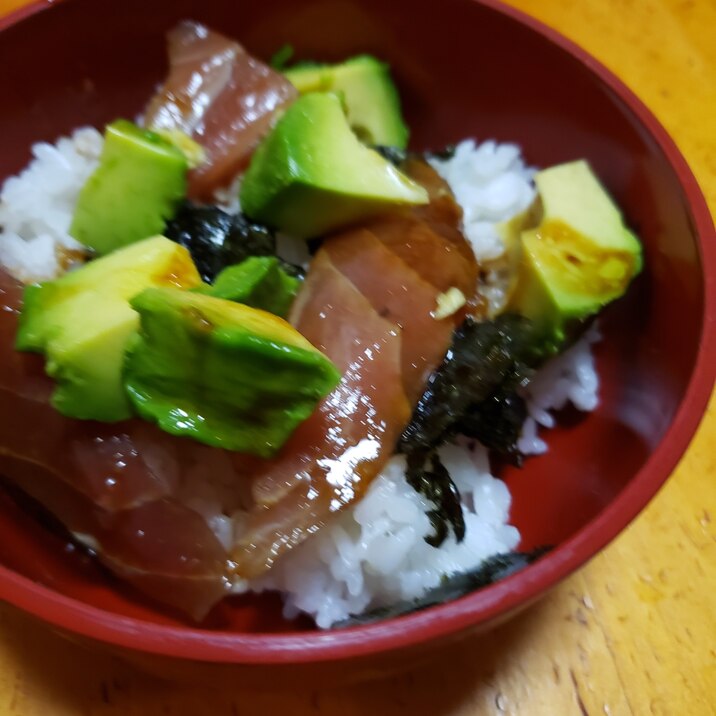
<point x="371" y="99"/>
<point x="227" y="375"/>
<point x="82" y="321"/>
<point x="579" y="257"/>
<point x="312" y="175"/>
<point x="140" y="179"/>
<point x="259" y="282"/>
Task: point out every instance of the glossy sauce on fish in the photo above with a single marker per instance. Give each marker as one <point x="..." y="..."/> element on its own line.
<point x="222" y="97"/>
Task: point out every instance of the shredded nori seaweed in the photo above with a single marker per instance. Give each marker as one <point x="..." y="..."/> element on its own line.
<point x="491" y="570"/>
<point x="498" y="423"/>
<point x="474" y="393"/>
<point x="437" y="486"/>
<point x="216" y="239"/>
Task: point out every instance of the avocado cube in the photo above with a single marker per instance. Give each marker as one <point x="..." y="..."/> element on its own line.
<point x="140" y="179"/>
<point x="259" y="282"/>
<point x="82" y="321"/>
<point x="312" y="175"/>
<point x="579" y="257"/>
<point x="222" y="373"/>
<point x="371" y="99"/>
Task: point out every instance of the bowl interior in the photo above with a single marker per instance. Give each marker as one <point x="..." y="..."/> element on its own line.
<point x="464" y="70"/>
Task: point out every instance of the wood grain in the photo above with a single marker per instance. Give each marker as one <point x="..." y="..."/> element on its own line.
<point x="632" y="633"/>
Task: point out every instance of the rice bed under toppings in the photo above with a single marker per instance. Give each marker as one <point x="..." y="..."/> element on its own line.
<point x="374" y="553"/>
<point x="36" y="206"/>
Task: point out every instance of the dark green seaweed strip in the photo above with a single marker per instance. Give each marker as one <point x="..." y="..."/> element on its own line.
<point x="216" y="239"/>
<point x="491" y="570"/>
<point x="473" y="393"/>
<point x="485" y="365"/>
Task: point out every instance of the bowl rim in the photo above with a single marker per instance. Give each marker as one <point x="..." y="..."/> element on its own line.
<point x="489" y="603"/>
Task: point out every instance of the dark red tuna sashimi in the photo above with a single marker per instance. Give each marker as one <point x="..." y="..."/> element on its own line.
<point x="368" y="305"/>
<point x="407" y="304"/>
<point x="334" y="455"/>
<point x="113" y="486"/>
<point x="429" y="238"/>
<point x="222" y="97"/>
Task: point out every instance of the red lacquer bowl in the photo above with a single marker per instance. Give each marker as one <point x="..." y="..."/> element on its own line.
<point x="464" y="69"/>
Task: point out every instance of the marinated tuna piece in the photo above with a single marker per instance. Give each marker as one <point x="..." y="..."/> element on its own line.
<point x="219" y="95"/>
<point x="420" y="251"/>
<point x="408" y="305"/>
<point x="429" y="237"/>
<point x="115" y="487"/>
<point x="333" y="456"/>
<point x="367" y="304"/>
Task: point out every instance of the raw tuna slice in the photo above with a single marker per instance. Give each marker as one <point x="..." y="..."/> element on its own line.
<point x="222" y="97"/>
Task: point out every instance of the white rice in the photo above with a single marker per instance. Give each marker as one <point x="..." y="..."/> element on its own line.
<point x="36" y="207"/>
<point x="492" y="184"/>
<point x="374" y="553"/>
<point x="569" y="378"/>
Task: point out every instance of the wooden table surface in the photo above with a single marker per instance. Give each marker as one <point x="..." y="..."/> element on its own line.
<point x="634" y="632"/>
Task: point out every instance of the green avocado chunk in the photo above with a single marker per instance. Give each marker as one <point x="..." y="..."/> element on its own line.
<point x="259" y="282"/>
<point x="82" y="322"/>
<point x="140" y="179"/>
<point x="312" y="175"/>
<point x="371" y="99"/>
<point x="227" y="375"/>
<point x="579" y="257"/>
